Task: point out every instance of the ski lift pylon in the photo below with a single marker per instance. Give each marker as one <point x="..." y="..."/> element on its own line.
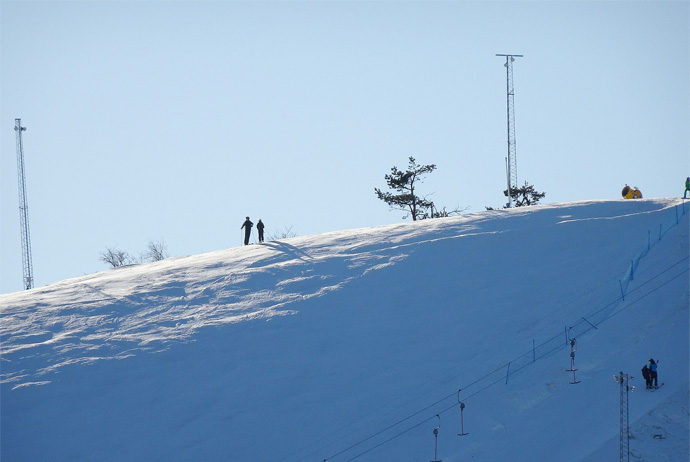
<point x="572" y="359"/>
<point x="436" y="459"/>
<point x="462" y="418"/>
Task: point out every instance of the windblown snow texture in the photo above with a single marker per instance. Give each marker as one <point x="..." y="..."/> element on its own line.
<point x="346" y="345"/>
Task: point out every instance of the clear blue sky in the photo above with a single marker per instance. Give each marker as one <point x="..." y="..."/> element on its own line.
<point x="175" y="120"/>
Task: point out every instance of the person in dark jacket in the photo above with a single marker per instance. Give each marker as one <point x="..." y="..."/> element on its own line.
<point x="687" y="187"/>
<point x="247" y="225"/>
<point x="652" y="374"/>
<point x="646" y="376"/>
<point x="260" y="228"/>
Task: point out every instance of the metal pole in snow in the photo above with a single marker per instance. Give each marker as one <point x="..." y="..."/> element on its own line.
<point x="436" y="459"/>
<point x="462" y="420"/>
<point x="572" y="361"/>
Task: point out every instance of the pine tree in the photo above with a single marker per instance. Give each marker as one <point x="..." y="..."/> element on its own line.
<point x="525" y="195"/>
<point x="404" y="183"/>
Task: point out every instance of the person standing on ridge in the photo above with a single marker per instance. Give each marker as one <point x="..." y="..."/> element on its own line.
<point x="652" y="374"/>
<point x="260" y="228"/>
<point x="687" y="187"/>
<point x="247" y="225"/>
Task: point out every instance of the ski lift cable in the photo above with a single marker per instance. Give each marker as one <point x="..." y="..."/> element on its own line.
<point x="685" y="270"/>
<point x="668" y="330"/>
<point x="638" y="287"/>
<point x="391" y="426"/>
<point x="584" y="319"/>
<point x="476" y="392"/>
<point x="643" y="296"/>
<point x="389" y="439"/>
<point x="480" y="390"/>
<point x="557" y="347"/>
<point x="445" y="398"/>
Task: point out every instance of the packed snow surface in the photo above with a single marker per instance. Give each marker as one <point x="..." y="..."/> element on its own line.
<point x="356" y="345"/>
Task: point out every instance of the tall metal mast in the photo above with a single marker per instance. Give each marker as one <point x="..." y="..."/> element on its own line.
<point x="625" y="389"/>
<point x="511" y="160"/>
<point x="24" y="209"/>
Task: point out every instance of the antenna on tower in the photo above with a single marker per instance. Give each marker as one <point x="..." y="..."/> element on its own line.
<point x="24" y="209"/>
<point x="511" y="160"/>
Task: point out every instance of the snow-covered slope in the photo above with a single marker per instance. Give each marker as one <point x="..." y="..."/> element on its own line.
<point x="355" y="345"/>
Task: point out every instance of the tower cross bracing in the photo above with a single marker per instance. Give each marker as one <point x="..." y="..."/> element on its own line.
<point x="511" y="160"/>
<point x="23" y="209"/>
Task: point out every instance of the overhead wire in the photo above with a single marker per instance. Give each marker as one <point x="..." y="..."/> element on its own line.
<point x="509" y="373"/>
<point x="502" y="378"/>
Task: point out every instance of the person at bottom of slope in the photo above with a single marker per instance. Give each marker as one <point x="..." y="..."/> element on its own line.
<point x="646" y="376"/>
<point x="247" y="225"/>
<point x="260" y="228"/>
<point x="687" y="187"/>
<point x="652" y="374"/>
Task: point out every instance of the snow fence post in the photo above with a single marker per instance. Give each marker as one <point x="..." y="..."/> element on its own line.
<point x="649" y="239"/>
<point x="632" y="270"/>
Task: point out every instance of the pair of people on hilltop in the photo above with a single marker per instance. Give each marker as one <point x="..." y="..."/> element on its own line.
<point x="650" y="375"/>
<point x="247" y="225"/>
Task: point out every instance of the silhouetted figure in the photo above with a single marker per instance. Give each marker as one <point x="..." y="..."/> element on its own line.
<point x="260" y="228"/>
<point x="247" y="225"/>
<point x="647" y="377"/>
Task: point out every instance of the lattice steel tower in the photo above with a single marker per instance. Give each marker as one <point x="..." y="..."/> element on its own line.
<point x="625" y="389"/>
<point x="24" y="209"/>
<point x="511" y="160"/>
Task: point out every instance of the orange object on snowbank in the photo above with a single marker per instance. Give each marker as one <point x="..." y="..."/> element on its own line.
<point x="631" y="193"/>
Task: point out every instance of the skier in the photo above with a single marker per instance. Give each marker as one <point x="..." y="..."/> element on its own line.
<point x="247" y="225"/>
<point x="260" y="228"/>
<point x="646" y="376"/>
<point x="687" y="187"/>
<point x="652" y="374"/>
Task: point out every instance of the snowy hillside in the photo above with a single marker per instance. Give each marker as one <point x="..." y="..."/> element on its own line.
<point x="355" y="345"/>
